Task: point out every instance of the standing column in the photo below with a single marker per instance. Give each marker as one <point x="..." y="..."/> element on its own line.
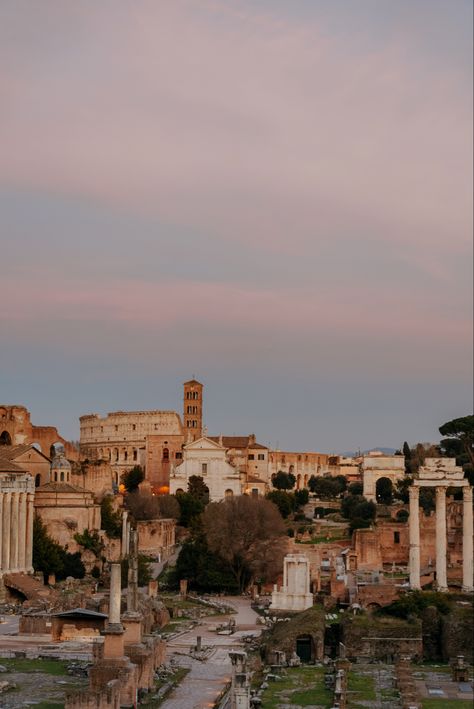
<point x="14" y="522"/>
<point x="414" y="531"/>
<point x="30" y="513"/>
<point x="7" y="499"/>
<point x="467" y="532"/>
<point x="124" y="534"/>
<point x="1" y="530"/>
<point x="441" y="549"/>
<point x="22" y="531"/>
<point x="115" y="594"/>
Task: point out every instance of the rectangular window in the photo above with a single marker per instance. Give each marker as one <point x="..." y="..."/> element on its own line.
<point x="261" y="456"/>
<point x="255" y="492"/>
<point x="178" y="455"/>
<point x="396" y="537"/>
<point x="251" y="456"/>
<point x="204" y="468"/>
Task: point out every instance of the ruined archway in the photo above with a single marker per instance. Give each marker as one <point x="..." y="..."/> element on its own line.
<point x="384" y="491"/>
<point x="305" y="648"/>
<point x="5" y="439"/>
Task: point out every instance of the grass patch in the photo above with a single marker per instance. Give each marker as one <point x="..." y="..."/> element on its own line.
<point x="48" y="705"/>
<point x="443" y="703"/>
<point x="303" y="686"/>
<point x="360" y="688"/>
<point x="47" y="667"/>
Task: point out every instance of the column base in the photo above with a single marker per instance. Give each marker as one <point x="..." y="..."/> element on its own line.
<point x="442" y="589"/>
<point x="468" y="589"/>
<point x="415" y="587"/>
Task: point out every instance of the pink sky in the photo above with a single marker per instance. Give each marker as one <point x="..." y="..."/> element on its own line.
<point x="258" y="168"/>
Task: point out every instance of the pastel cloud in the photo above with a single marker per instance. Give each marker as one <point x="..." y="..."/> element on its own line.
<point x="246" y="169"/>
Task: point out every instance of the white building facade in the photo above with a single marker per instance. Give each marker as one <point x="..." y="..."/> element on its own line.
<point x="208" y="460"/>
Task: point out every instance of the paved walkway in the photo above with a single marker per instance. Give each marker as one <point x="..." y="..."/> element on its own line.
<point x="206" y="680"/>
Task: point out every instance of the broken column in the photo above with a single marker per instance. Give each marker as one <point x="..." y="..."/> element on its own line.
<point x="132" y="619"/>
<point x="240" y="688"/>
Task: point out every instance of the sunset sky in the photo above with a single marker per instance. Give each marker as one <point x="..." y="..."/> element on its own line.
<point x="274" y="196"/>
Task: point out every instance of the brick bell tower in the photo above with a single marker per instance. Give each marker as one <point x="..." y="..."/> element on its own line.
<point x="192" y="410"/>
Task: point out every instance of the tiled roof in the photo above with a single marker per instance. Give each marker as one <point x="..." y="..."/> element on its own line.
<point x="59" y="487"/>
<point x="12" y="452"/>
<point x="238" y="442"/>
<point x="6" y="466"/>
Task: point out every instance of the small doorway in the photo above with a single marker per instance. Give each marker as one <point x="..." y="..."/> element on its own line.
<point x="304" y="646"/>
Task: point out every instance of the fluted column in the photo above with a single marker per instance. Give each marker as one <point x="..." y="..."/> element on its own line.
<point x="14" y="522"/>
<point x="30" y="513"/>
<point x="414" y="532"/>
<point x="441" y="545"/>
<point x="7" y="501"/>
<point x="467" y="546"/>
<point x="22" y="533"/>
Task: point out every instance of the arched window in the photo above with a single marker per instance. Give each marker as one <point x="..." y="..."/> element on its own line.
<point x="229" y="493"/>
<point x="37" y="480"/>
<point x="62" y="476"/>
<point x="166" y="454"/>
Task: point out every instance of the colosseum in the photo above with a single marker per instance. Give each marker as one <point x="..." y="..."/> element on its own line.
<point x="153" y="439"/>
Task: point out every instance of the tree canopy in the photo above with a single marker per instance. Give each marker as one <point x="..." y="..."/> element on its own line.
<point x="248" y="535"/>
<point x="283" y="481"/>
<point x="111" y="520"/>
<point x="327" y="487"/>
<point x="461" y="429"/>
<point x="133" y="477"/>
<point x="49" y="557"/>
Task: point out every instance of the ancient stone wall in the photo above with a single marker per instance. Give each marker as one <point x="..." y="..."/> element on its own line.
<point x="156" y="537"/>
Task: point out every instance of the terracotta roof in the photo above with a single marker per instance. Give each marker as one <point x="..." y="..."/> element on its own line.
<point x="12" y="452"/>
<point x="236" y="442"/>
<point x="6" y="466"/>
<point x="59" y="487"/>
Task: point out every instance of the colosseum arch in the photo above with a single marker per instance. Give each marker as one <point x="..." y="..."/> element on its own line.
<point x="5" y="439"/>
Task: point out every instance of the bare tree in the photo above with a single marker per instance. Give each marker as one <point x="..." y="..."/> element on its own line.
<point x="249" y="534"/>
<point x="143" y="505"/>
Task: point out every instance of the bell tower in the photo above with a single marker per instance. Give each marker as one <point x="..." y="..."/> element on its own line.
<point x="192" y="410"/>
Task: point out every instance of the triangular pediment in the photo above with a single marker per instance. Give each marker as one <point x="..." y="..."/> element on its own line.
<point x="203" y="443"/>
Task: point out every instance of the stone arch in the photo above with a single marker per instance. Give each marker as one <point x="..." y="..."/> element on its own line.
<point x="229" y="493"/>
<point x="384" y="490"/>
<point x="298" y="481"/>
<point x="115" y="454"/>
<point x="179" y="491"/>
<point x="55" y="448"/>
<point x="37" y="445"/>
<point x="37" y="479"/>
<point x="5" y="439"/>
<point x="305" y="480"/>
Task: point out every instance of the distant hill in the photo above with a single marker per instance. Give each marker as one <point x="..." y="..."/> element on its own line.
<point x="386" y="451"/>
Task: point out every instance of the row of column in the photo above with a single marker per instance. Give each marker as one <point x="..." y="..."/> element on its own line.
<point x="16" y="528"/>
<point x="441" y="539"/>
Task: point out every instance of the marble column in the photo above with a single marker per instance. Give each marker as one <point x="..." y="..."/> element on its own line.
<point x="467" y="547"/>
<point x="30" y="513"/>
<point x="414" y="532"/>
<point x="14" y="530"/>
<point x="115" y="594"/>
<point x="6" y="531"/>
<point x="22" y="533"/>
<point x="441" y="542"/>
